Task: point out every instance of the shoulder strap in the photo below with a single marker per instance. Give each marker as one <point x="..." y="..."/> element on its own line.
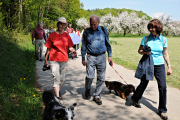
<point x="102" y="27"/>
<point x="146" y="39"/>
<point x="163" y="41"/>
<point x="163" y="45"/>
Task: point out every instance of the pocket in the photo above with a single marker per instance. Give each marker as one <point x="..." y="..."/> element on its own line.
<point x="150" y="70"/>
<point x="139" y="73"/>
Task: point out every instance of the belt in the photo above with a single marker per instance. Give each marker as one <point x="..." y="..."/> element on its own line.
<point x="96" y="54"/>
<point x="39" y="38"/>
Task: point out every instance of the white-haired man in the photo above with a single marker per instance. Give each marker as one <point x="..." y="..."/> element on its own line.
<point x="95" y="43"/>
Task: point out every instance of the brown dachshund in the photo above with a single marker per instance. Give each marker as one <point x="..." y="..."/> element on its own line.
<point x="119" y="88"/>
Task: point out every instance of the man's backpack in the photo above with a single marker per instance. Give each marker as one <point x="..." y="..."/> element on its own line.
<point x="102" y="27"/>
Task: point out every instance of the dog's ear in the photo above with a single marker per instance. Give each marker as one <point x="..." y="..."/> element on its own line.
<point x="133" y="89"/>
<point x="124" y="87"/>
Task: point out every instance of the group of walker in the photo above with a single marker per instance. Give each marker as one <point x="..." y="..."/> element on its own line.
<point x="95" y="42"/>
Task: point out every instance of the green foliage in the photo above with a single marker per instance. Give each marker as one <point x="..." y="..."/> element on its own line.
<point x="19" y="99"/>
<point x="113" y="11"/>
<point x="34" y="11"/>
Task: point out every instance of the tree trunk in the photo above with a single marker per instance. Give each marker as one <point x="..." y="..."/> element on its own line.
<point x="19" y="14"/>
<point x="124" y="32"/>
<point x="39" y="13"/>
<point x="47" y="13"/>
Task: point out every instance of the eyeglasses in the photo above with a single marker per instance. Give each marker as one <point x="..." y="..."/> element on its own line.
<point x="63" y="25"/>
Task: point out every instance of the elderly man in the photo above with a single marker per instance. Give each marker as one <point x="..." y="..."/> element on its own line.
<point x="95" y="43"/>
<point x="39" y="35"/>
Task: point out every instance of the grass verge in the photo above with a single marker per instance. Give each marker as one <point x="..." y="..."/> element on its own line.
<point x="19" y="99"/>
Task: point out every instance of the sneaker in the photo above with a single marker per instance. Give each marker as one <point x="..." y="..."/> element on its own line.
<point x="41" y="60"/>
<point x="87" y="94"/>
<point x="163" y="116"/>
<point x="97" y="101"/>
<point x="135" y="104"/>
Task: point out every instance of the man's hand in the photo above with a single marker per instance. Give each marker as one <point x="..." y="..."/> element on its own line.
<point x="33" y="42"/>
<point x="84" y="62"/>
<point x="110" y="61"/>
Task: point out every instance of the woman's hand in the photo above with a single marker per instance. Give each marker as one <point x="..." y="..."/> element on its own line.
<point x="147" y="53"/>
<point x="169" y="72"/>
<point x="140" y="51"/>
<point x="73" y="51"/>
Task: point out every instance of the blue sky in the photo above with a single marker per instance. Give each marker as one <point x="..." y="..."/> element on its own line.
<point x="153" y="8"/>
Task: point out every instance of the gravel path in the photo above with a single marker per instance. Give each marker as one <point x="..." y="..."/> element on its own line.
<point x="113" y="107"/>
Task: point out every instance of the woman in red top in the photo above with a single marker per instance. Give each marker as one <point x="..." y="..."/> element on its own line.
<point x="57" y="46"/>
<point x="77" y="32"/>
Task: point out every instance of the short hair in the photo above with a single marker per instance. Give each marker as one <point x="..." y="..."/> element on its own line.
<point x="157" y="24"/>
<point x="40" y="24"/>
<point x="92" y="16"/>
<point x="58" y="24"/>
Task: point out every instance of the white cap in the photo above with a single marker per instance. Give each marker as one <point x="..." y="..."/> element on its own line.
<point x="62" y="20"/>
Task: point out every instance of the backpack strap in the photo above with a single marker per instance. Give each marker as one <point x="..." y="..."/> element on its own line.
<point x="102" y="27"/>
<point x="163" y="45"/>
<point x="146" y="39"/>
<point x="163" y="41"/>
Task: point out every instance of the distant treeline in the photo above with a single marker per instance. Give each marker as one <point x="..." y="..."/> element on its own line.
<point x="113" y="11"/>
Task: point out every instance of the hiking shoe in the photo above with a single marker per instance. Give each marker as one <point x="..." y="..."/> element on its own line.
<point x="135" y="104"/>
<point x="87" y="94"/>
<point x="163" y="116"/>
<point x="97" y="101"/>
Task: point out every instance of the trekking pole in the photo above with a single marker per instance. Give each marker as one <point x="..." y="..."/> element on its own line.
<point x="110" y="63"/>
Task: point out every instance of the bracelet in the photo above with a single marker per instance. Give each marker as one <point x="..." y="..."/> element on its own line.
<point x="169" y="66"/>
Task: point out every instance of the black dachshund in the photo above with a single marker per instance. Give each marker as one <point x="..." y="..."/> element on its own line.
<point x="54" y="109"/>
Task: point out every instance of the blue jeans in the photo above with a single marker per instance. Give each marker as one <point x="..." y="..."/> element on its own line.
<point x="160" y="75"/>
<point x="98" y="63"/>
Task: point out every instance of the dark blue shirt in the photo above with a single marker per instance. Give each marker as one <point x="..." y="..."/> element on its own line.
<point x="95" y="42"/>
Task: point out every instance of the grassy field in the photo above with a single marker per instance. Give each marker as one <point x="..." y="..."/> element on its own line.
<point x="125" y="53"/>
<point x="19" y="99"/>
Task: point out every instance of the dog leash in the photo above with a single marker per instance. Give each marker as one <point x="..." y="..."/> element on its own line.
<point x="111" y="64"/>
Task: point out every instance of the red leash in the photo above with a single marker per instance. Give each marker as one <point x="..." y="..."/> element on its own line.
<point x="111" y="64"/>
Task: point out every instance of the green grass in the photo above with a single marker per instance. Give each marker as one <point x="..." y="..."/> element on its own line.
<point x="19" y="99"/>
<point x="125" y="52"/>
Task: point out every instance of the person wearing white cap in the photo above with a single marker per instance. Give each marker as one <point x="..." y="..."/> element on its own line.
<point x="57" y="46"/>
